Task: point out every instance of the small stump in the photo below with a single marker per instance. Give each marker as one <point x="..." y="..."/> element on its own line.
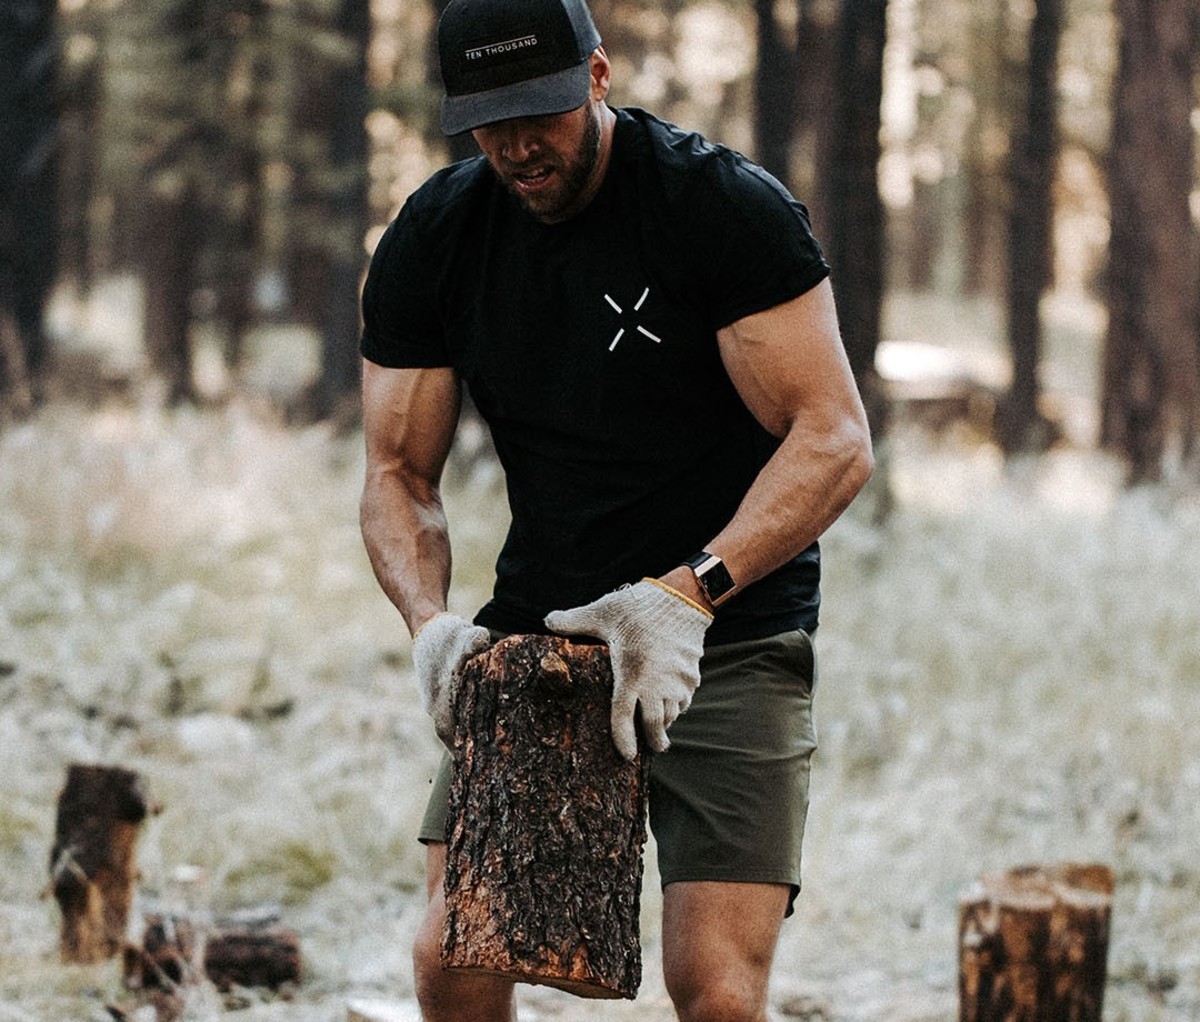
<point x="546" y="824"/>
<point x="93" y="863"/>
<point x="1033" y="945"/>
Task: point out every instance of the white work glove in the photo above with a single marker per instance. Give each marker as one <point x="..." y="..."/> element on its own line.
<point x="441" y="648"/>
<point x="655" y="638"/>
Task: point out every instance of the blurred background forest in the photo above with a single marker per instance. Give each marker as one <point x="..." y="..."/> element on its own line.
<point x="1010" y="639"/>
<point x="220" y="170"/>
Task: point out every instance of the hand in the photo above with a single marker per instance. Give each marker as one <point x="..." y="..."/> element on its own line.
<point x="441" y="648"/>
<point x="655" y="637"/>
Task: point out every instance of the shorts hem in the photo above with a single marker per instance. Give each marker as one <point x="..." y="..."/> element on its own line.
<point x="791" y="883"/>
<point x="741" y="877"/>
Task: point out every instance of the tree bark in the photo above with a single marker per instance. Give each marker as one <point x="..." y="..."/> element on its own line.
<point x="29" y="154"/>
<point x="815" y="60"/>
<point x="1021" y="426"/>
<point x="993" y="66"/>
<point x="169" y="274"/>
<point x="1033" y="945"/>
<point x="1150" y="405"/>
<point x="340" y="363"/>
<point x="546" y="824"/>
<point x="851" y="179"/>
<point x="774" y="95"/>
<point x="93" y="863"/>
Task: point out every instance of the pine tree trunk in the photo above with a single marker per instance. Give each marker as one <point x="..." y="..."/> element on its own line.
<point x="92" y="863"/>
<point x="1151" y="380"/>
<point x="815" y="60"/>
<point x="28" y="180"/>
<point x="169" y="268"/>
<point x="546" y="824"/>
<point x="1033" y="945"/>
<point x="348" y="154"/>
<point x="851" y="178"/>
<point x="1030" y="232"/>
<point x="774" y="95"/>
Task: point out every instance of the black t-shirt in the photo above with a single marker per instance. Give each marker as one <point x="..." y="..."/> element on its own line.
<point x="589" y="347"/>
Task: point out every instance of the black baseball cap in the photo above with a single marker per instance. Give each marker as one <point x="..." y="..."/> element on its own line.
<point x="513" y="58"/>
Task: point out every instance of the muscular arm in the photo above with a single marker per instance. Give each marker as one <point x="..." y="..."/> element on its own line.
<point x="409" y="418"/>
<point x="790" y="368"/>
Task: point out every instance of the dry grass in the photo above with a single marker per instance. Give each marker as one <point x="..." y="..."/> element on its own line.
<point x="1010" y="672"/>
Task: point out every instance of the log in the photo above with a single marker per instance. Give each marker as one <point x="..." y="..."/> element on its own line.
<point x="253" y="958"/>
<point x="93" y="862"/>
<point x="546" y="823"/>
<point x="1033" y="944"/>
<point x="175" y="952"/>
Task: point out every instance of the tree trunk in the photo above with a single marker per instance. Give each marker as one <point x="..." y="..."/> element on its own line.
<point x="92" y="863"/>
<point x="336" y="112"/>
<point x="79" y="169"/>
<point x="1150" y="405"/>
<point x="169" y="268"/>
<point x="983" y="157"/>
<point x="774" y="95"/>
<point x="16" y="387"/>
<point x="28" y="176"/>
<point x="856" y="237"/>
<point x="546" y="824"/>
<point x="1021" y="426"/>
<point x="816" y="39"/>
<point x="1033" y="945"/>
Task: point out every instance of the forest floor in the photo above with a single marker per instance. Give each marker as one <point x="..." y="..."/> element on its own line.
<point x="1009" y="674"/>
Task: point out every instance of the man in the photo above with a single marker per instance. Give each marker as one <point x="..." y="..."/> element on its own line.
<point x="646" y="324"/>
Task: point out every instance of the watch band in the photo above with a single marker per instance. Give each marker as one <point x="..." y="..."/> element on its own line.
<point x="713" y="577"/>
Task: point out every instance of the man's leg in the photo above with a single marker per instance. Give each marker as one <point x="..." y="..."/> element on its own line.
<point x="449" y="996"/>
<point x="718" y="944"/>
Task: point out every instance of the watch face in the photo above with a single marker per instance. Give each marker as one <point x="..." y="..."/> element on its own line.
<point x="716" y="579"/>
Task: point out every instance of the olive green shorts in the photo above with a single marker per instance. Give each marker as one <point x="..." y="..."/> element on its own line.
<point x="728" y="800"/>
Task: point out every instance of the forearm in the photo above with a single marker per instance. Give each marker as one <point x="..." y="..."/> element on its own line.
<point x="801" y="491"/>
<point x="405" y="532"/>
<point x="409" y="418"/>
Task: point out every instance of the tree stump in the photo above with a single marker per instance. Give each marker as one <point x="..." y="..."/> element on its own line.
<point x="1033" y="945"/>
<point x="92" y="863"/>
<point x="546" y="824"/>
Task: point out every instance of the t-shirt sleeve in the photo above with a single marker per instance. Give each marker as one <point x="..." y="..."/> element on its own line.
<point x="401" y="325"/>
<point x="756" y="244"/>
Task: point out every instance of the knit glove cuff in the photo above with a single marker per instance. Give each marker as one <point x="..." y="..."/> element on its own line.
<point x="441" y="648"/>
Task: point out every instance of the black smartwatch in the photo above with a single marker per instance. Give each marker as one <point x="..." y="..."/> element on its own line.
<point x="713" y="576"/>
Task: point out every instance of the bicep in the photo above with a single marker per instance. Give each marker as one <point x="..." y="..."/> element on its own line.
<point x="409" y="419"/>
<point x="788" y="363"/>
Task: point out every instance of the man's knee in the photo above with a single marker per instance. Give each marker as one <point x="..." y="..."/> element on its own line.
<point x="725" y="996"/>
<point x="451" y="995"/>
<point x="718" y="945"/>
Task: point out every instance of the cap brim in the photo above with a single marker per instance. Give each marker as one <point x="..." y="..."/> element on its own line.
<point x="551" y="94"/>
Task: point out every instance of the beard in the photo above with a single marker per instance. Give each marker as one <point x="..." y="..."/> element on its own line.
<point x="563" y="198"/>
